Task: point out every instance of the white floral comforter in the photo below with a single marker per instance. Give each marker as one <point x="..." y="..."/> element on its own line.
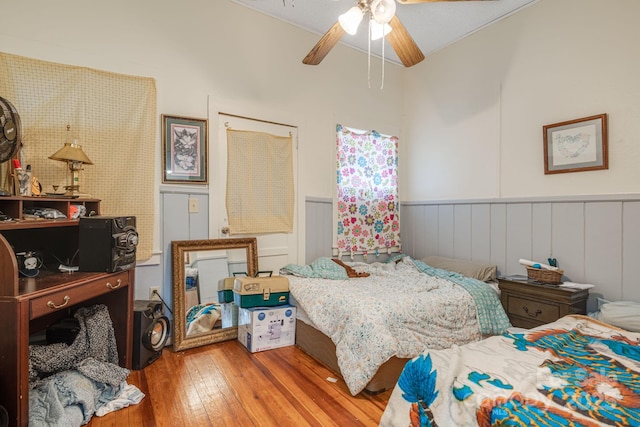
<point x="396" y="311"/>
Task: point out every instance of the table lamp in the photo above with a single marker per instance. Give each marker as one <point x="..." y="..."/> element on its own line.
<point x="74" y="156"/>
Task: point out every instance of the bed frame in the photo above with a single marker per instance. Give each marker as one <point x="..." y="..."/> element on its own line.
<point x="321" y="348"/>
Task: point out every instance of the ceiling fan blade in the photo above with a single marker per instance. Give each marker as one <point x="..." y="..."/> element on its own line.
<point x="324" y="45"/>
<point x="431" y="1"/>
<point x="403" y="44"/>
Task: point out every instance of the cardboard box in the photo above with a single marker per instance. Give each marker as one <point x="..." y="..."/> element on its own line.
<point x="265" y="328"/>
<point x="261" y="291"/>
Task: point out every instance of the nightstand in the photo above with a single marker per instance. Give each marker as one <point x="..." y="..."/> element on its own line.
<point x="529" y="303"/>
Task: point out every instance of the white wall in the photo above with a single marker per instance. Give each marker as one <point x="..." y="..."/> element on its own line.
<point x="195" y="49"/>
<point x="475" y="110"/>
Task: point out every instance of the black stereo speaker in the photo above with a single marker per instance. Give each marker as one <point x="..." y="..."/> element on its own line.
<point x="150" y="332"/>
<point x="107" y="243"/>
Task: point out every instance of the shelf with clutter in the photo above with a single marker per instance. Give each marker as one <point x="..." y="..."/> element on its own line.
<point x="42" y="211"/>
<point x="26" y="206"/>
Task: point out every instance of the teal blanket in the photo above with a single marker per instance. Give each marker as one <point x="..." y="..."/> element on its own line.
<point x="491" y="316"/>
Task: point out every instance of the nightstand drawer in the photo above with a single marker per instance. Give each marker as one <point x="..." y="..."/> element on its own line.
<point x="533" y="310"/>
<point x="66" y="298"/>
<point x="533" y="304"/>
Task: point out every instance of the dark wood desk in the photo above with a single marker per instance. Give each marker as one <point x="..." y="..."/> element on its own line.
<point x="29" y="305"/>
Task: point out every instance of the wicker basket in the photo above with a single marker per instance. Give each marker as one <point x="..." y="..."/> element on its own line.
<point x="552" y="277"/>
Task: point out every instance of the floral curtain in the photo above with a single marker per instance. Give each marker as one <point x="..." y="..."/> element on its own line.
<point x="367" y="183"/>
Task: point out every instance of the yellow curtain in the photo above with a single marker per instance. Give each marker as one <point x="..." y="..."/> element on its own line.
<point x="259" y="182"/>
<point x="113" y="117"/>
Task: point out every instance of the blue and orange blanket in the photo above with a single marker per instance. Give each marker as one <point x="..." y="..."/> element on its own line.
<point x="576" y="371"/>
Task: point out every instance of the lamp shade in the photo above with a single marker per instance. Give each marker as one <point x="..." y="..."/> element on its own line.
<point x="71" y="152"/>
<point x="383" y="10"/>
<point x="350" y="20"/>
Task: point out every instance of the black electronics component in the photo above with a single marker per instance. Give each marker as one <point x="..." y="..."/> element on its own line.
<point x="66" y="331"/>
<point x="10" y="130"/>
<point x="4" y="417"/>
<point x="150" y="332"/>
<point x="107" y="243"/>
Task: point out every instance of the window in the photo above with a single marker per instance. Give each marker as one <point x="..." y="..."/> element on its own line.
<point x="367" y="192"/>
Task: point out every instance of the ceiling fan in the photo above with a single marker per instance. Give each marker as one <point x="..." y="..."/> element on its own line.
<point x="383" y="22"/>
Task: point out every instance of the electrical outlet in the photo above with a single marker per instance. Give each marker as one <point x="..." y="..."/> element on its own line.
<point x="194" y="205"/>
<point x="154" y="293"/>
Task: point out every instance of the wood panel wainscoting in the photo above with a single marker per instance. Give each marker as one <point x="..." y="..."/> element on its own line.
<point x="223" y="384"/>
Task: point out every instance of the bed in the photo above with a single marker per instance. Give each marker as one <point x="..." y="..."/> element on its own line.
<point x="366" y="328"/>
<point x="576" y="371"/>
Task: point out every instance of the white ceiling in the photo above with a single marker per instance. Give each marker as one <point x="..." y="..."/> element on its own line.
<point x="432" y="25"/>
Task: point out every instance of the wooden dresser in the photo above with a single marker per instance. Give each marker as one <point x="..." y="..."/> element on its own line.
<point x="31" y="304"/>
<point x="529" y="303"/>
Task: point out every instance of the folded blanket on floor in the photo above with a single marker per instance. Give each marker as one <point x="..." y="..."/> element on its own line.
<point x="65" y="399"/>
<point x="71" y="398"/>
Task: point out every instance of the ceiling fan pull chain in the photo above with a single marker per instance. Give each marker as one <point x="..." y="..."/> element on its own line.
<point x="369" y="55"/>
<point x="382" y="82"/>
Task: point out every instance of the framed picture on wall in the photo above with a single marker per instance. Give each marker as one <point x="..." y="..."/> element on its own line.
<point x="576" y="145"/>
<point x="184" y="150"/>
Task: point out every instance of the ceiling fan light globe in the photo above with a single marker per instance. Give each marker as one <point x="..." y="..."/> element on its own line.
<point x="350" y="20"/>
<point x="378" y="31"/>
<point x="383" y="10"/>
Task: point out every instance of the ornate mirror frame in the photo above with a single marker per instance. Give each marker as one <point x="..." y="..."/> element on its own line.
<point x="179" y="250"/>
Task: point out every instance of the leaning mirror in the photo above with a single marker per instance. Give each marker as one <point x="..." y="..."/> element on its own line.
<point x="203" y="270"/>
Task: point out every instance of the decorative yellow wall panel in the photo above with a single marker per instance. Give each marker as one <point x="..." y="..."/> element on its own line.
<point x="112" y="116"/>
<point x="259" y="182"/>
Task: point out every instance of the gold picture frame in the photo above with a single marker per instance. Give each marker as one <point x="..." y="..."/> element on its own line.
<point x="205" y="249"/>
<point x="576" y="145"/>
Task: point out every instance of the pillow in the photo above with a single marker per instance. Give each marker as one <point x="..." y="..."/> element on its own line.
<point x="476" y="270"/>
<point x="322" y="267"/>
<point x="396" y="257"/>
<point x="623" y="314"/>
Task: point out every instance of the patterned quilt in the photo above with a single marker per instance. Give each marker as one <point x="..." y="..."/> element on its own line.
<point x="576" y="371"/>
<point x="397" y="310"/>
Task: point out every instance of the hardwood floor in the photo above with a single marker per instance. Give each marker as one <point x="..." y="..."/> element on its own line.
<point x="224" y="384"/>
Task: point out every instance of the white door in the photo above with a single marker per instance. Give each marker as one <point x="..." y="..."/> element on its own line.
<point x="274" y="250"/>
